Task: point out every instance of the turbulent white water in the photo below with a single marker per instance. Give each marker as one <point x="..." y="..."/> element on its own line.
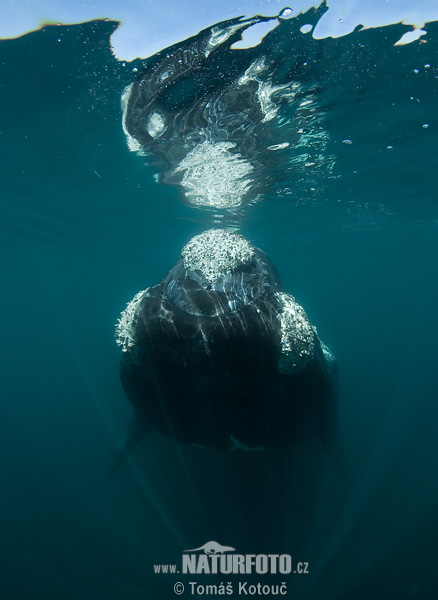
<point x="215" y="177"/>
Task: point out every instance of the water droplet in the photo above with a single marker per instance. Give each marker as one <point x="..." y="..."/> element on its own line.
<point x="389" y="147"/>
<point x="340" y="21"/>
<point x="426" y="125"/>
<point x="427" y="66"/>
<point x="134" y="70"/>
<point x="347" y="142"/>
<point x="416" y="71"/>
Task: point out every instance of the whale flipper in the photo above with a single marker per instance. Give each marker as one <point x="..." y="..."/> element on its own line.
<point x="136" y="432"/>
<point x="331" y="443"/>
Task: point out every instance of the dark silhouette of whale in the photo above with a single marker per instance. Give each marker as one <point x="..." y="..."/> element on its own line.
<point x="212" y="548"/>
<point x="218" y="355"/>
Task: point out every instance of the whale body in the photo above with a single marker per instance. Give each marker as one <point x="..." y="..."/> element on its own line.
<point x="219" y="356"/>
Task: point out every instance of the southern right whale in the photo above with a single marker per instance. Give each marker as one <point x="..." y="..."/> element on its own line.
<point x="219" y="356"/>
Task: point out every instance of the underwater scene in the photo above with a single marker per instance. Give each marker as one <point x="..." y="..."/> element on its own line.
<point x="219" y="295"/>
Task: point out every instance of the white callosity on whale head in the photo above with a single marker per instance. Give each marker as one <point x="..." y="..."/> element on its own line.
<point x="297" y="335"/>
<point x="217" y="252"/>
<point x="125" y="327"/>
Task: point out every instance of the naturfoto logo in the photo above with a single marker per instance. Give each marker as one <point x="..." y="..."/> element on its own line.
<point x="221" y="559"/>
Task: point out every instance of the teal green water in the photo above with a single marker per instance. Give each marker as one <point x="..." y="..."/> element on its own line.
<point x="85" y="226"/>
